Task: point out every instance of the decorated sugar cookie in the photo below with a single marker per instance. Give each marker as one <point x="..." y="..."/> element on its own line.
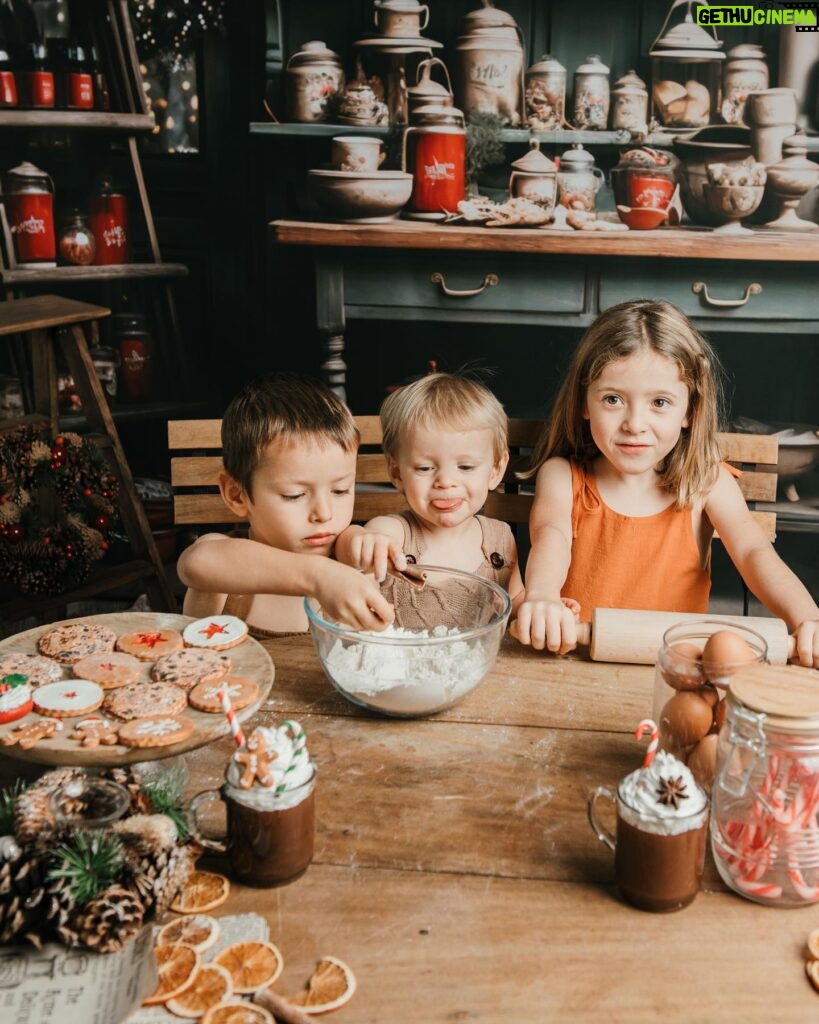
<point x="38" y="669"/>
<point x="150" y="644"/>
<point x="68" y="698"/>
<point x="136" y="700"/>
<point x="109" y="670"/>
<point x="15" y="697"/>
<point x="190" y="666"/>
<point x="218" y="633"/>
<point x="241" y="692"/>
<point x="156" y="731"/>
<point x="67" y="644"/>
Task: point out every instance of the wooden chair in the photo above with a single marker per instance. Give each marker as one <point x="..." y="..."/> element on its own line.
<point x="196" y="460"/>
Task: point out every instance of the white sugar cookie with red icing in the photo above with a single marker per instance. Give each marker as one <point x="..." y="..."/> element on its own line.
<point x="68" y="698"/>
<point x="35" y="667"/>
<point x="150" y="644"/>
<point x="156" y="731"/>
<point x="109" y="670"/>
<point x="217" y="633"/>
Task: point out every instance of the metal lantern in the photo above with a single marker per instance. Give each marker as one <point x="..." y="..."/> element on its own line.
<point x="686" y="71"/>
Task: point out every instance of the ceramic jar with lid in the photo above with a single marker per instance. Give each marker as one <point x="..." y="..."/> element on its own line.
<point x="545" y="83"/>
<point x="765" y="797"/>
<point x="791" y="179"/>
<point x="314" y="76"/>
<point x="434" y="152"/>
<point x="578" y="180"/>
<point x="629" y="104"/>
<point x="425" y="92"/>
<point x="592" y="94"/>
<point x="744" y="72"/>
<point x="534" y="177"/>
<point x="491" y="64"/>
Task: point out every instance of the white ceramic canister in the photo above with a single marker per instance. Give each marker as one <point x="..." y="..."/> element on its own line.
<point x="545" y="94"/>
<point x="491" y="64"/>
<point x="744" y="72"/>
<point x="629" y="104"/>
<point x="314" y="77"/>
<point x="591" y="94"/>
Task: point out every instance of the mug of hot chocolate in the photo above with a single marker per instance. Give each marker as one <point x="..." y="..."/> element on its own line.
<point x="268" y="794"/>
<point x="661" y="830"/>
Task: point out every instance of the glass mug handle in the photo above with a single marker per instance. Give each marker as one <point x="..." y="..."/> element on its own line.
<point x="602" y="833"/>
<point x="209" y="842"/>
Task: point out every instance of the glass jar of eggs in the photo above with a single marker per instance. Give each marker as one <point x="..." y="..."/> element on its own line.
<point x="693" y="671"/>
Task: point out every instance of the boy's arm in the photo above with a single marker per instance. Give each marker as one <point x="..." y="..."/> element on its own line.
<point x="217" y="565"/>
<point x="765" y="574"/>
<point x="373" y="547"/>
<point x="544" y="621"/>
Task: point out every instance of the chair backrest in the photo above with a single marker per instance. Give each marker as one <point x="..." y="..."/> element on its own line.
<point x="196" y="460"/>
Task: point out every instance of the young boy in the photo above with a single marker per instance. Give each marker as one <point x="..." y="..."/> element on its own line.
<point x="289" y="450"/>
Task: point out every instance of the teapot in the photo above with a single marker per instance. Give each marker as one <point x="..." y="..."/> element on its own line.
<point x="360" y="105"/>
<point x="534" y="177"/>
<point x="578" y="180"/>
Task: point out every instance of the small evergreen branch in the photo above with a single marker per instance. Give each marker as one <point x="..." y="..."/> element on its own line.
<point x="89" y="861"/>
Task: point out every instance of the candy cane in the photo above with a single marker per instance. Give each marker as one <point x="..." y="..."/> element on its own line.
<point x="299" y="750"/>
<point x="653" y="742"/>
<point x="767" y="890"/>
<point x="230" y="714"/>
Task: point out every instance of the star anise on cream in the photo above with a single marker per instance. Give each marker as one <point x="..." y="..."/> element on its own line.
<point x="672" y="791"/>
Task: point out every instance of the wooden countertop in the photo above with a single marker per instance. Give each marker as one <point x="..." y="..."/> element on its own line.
<point x="677" y="243"/>
<point x="456" y="873"/>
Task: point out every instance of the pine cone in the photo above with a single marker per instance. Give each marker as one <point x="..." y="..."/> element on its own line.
<point x="59" y="912"/>
<point x="131" y="779"/>
<point x="22" y="894"/>
<point x="109" y="920"/>
<point x="158" y="867"/>
<point x="33" y="821"/>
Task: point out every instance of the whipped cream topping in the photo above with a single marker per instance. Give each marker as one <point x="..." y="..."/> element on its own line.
<point x="640" y="804"/>
<point x="291" y="769"/>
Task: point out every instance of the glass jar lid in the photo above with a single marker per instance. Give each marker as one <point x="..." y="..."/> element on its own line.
<point x="576" y="159"/>
<point x="593" y="65"/>
<point x="315" y="51"/>
<point x="546" y="65"/>
<point x="787" y="695"/>
<point x="746" y="51"/>
<point x="534" y="161"/>
<point x="630" y="83"/>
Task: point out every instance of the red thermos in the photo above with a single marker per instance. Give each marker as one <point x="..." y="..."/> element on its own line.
<point x="435" y="154"/>
<point x="29" y="197"/>
<point x="109" y="223"/>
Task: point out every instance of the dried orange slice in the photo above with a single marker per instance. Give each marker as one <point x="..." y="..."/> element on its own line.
<point x="203" y="891"/>
<point x="331" y="985"/>
<point x="812" y="971"/>
<point x="177" y="966"/>
<point x="236" y="1011"/>
<point x="200" y="931"/>
<point x="251" y="964"/>
<point x="211" y="986"/>
<point x="813" y="944"/>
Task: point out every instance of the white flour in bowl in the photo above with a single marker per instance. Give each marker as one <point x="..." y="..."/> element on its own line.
<point x="405" y="679"/>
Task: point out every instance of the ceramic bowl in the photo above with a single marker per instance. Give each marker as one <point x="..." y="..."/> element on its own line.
<point x="411" y="671"/>
<point x="722" y="143"/>
<point x="641" y="218"/>
<point x="359" y="197"/>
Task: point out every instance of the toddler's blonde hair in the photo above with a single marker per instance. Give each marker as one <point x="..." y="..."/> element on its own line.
<point x="443" y="400"/>
<point x="690" y="469"/>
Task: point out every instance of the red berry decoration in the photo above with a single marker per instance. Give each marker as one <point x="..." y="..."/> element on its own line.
<point x="16" y="532"/>
<point x="59" y="441"/>
<point x="101" y="522"/>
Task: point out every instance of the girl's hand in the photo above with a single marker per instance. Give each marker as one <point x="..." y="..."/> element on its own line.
<point x="548" y="625"/>
<point x="807" y="643"/>
<point x="372" y="552"/>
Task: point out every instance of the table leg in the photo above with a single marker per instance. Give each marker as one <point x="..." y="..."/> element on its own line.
<point x="330" y="322"/>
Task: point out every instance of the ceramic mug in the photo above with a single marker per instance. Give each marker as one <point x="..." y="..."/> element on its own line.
<point x="650" y="190"/>
<point x="401" y="18"/>
<point x="356" y="153"/>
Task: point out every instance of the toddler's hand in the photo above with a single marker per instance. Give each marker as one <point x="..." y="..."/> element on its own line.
<point x="807" y="643"/>
<point x="549" y="625"/>
<point x="372" y="552"/>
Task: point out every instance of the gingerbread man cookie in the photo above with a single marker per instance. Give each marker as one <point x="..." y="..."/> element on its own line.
<point x="91" y="732"/>
<point x="256" y="759"/>
<point x="29" y="735"/>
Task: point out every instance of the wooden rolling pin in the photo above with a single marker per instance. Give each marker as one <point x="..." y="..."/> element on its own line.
<point x="633" y="637"/>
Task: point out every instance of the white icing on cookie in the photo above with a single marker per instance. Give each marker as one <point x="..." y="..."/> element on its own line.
<point x="70" y="696"/>
<point x="216" y="631"/>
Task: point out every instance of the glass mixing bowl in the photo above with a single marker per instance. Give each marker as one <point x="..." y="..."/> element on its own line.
<point x="407" y="670"/>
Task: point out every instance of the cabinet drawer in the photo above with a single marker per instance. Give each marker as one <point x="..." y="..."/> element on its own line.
<point x="788" y="290"/>
<point x="522" y="284"/>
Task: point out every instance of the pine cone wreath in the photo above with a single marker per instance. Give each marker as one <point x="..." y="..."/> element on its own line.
<point x="109" y="920"/>
<point x="22" y="894"/>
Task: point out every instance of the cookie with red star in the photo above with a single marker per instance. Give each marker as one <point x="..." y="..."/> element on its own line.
<point x="150" y="644"/>
<point x="218" y="633"/>
<point x="68" y="698"/>
<point x="109" y="670"/>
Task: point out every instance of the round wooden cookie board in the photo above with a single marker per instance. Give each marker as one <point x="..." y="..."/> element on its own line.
<point x="248" y="659"/>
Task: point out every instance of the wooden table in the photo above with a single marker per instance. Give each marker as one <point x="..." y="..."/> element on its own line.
<point x="456" y="873"/>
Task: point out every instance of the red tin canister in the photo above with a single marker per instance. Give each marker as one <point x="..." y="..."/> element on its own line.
<point x="29" y="197"/>
<point x="136" y="353"/>
<point x="109" y="223"/>
<point x="435" y="154"/>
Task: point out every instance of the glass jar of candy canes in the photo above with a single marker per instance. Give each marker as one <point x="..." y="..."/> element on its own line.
<point x="765" y="796"/>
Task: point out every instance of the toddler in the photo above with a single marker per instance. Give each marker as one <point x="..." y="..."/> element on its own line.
<point x="289" y="451"/>
<point x="630" y="489"/>
<point x="445" y="442"/>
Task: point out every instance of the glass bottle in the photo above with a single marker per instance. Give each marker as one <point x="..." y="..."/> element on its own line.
<point x="76" y="245"/>
<point x="39" y="78"/>
<point x="79" y="82"/>
<point x="108" y="210"/>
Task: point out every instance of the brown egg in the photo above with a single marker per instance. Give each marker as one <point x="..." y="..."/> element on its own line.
<point x="723" y="654"/>
<point x="709" y="693"/>
<point x="685" y="719"/>
<point x="681" y="666"/>
<point x="719" y="715"/>
<point x="703" y="761"/>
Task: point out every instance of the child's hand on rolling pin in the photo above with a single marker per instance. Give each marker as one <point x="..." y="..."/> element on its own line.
<point x="806" y="637"/>
<point x="548" y="625"/>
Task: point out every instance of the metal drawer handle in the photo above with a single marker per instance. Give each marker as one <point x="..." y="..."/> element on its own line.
<point x="701" y="286"/>
<point x="488" y="282"/>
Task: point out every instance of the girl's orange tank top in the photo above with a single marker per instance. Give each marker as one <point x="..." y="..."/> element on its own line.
<point x="646" y="562"/>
